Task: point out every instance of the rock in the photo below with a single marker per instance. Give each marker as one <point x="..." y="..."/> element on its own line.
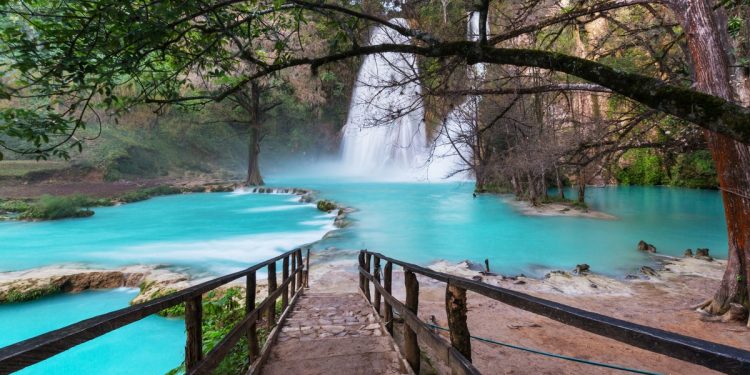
<point x="645" y="246"/>
<point x="594" y="286"/>
<point x="736" y="313"/>
<point x="477" y="278"/>
<point x="646" y="270"/>
<point x="581" y="269"/>
<point x="688" y="252"/>
<point x="326" y="205"/>
<point x="631" y="277"/>
<point x="519" y="282"/>
<point x="702" y="253"/>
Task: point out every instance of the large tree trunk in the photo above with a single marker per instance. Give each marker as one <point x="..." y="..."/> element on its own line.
<point x="732" y="158"/>
<point x="253" y="168"/>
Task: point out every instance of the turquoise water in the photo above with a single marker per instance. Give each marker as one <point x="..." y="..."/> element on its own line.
<point x="221" y="232"/>
<point x="159" y="346"/>
<point x="216" y="233"/>
<point x="426" y="222"/>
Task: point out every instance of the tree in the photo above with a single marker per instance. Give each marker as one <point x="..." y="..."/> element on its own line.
<point x="103" y="45"/>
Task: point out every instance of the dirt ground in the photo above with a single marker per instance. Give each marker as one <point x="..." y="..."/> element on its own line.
<point x="663" y="303"/>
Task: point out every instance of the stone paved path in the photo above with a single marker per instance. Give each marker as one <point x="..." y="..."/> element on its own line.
<point x="334" y="333"/>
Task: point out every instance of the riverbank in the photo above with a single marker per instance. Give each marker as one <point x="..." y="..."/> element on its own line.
<point x="555" y="209"/>
<point x="664" y="300"/>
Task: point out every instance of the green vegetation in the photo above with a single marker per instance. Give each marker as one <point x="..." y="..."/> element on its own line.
<point x="15" y="295"/>
<point x="221" y="312"/>
<point x="22" y="168"/>
<point x="694" y="169"/>
<point x="143" y="194"/>
<point x="50" y="207"/>
<point x="644" y="167"/>
<point x="568" y="202"/>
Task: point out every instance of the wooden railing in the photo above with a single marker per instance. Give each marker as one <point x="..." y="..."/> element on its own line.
<point x="31" y="351"/>
<point x="457" y="354"/>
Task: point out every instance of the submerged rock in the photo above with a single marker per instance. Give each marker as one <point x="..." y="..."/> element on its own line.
<point x="326" y="205"/>
<point x="702" y="253"/>
<point x="582" y="269"/>
<point x="645" y="246"/>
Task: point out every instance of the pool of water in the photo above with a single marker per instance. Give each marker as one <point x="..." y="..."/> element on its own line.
<point x="422" y="223"/>
<point x="153" y="345"/>
<point x="218" y="233"/>
<point x="210" y="232"/>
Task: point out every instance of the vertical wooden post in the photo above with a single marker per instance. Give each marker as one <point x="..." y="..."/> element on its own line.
<point x="376" y="270"/>
<point x="368" y="257"/>
<point x="271" y="313"/>
<point x="361" y="260"/>
<point x="252" y="333"/>
<point x="307" y="269"/>
<point x="293" y="283"/>
<point x="300" y="276"/>
<point x="284" y="276"/>
<point x="455" y="309"/>
<point x="411" y="346"/>
<point x="388" y="313"/>
<point x="194" y="328"/>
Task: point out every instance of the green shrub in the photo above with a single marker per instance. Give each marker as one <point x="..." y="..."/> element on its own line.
<point x="50" y="207"/>
<point x="644" y="167"/>
<point x="694" y="170"/>
<point x="14" y="206"/>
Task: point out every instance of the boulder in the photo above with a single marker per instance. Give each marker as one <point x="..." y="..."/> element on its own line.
<point x="702" y="253"/>
<point x="582" y="269"/>
<point x="645" y="246"/>
<point x="688" y="253"/>
<point x="326" y="205"/>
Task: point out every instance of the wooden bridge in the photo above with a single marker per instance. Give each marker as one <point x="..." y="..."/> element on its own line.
<point x="352" y="333"/>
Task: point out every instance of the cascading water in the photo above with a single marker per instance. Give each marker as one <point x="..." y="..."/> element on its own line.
<point x="385" y="129"/>
<point x="452" y="153"/>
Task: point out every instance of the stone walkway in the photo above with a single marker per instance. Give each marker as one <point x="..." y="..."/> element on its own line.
<point x="334" y="333"/>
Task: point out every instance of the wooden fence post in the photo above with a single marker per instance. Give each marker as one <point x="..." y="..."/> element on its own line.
<point x="388" y="313"/>
<point x="293" y="283"/>
<point x="252" y="333"/>
<point x="376" y="271"/>
<point x="455" y="309"/>
<point x="361" y="260"/>
<point x="307" y="269"/>
<point x="300" y="276"/>
<point x="271" y="313"/>
<point x="194" y="328"/>
<point x="284" y="276"/>
<point x="368" y="257"/>
<point x="411" y="346"/>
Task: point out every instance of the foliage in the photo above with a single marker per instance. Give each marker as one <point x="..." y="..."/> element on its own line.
<point x="694" y="170"/>
<point x="14" y="205"/>
<point x="143" y="194"/>
<point x="22" y="168"/>
<point x="50" y="207"/>
<point x="221" y="312"/>
<point x="643" y="167"/>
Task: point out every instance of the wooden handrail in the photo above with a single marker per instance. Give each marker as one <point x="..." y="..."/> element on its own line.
<point x="704" y="353"/>
<point x="28" y="352"/>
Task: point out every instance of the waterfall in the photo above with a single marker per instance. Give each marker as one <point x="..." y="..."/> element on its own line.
<point x="385" y="130"/>
<point x="452" y="153"/>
